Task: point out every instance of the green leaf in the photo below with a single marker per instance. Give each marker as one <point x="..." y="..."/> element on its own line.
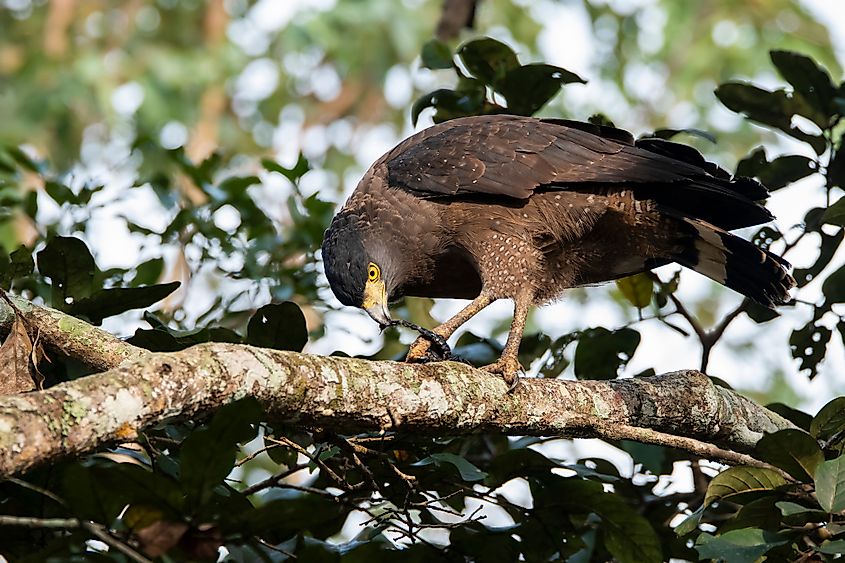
<point x="487" y="59"/>
<point x="279" y="326"/>
<point x="293" y="174"/>
<point x="690" y="524"/>
<point x="450" y="104"/>
<point x="529" y="87"/>
<point x="23" y="159"/>
<point x="809" y="80"/>
<point x="234" y="187"/>
<point x="797" y="515"/>
<point x="778" y="173"/>
<point x="637" y="289"/>
<point x="835" y="214"/>
<point x="208" y="455"/>
<point x="836" y="166"/>
<point x="834" y="286"/>
<point x="829" y="246"/>
<point x="832" y="547"/>
<point x="71" y="268"/>
<point x="484" y="544"/>
<point x="468" y="471"/>
<point x="87" y="497"/>
<point x="737" y="484"/>
<point x="282" y="518"/>
<point x="114" y="301"/>
<point x="784" y="170"/>
<point x="769" y="108"/>
<point x="59" y="192"/>
<point x="436" y="55"/>
<point x="627" y="536"/>
<point x="18" y="264"/>
<point x="165" y="339"/>
<point x="794" y="451"/>
<point x="830" y="484"/>
<point x="809" y="344"/>
<point x="601" y="353"/>
<point x="829" y="423"/>
<point x="148" y="272"/>
<point x="737" y="546"/>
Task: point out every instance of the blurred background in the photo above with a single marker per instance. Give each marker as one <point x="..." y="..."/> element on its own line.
<point x="208" y="142"/>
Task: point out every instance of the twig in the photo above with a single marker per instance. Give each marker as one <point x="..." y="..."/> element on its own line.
<point x="314" y="459"/>
<point x="95" y="530"/>
<point x="101" y="534"/>
<point x="255" y="454"/>
<point x="273" y="480"/>
<point x="40" y="490"/>
<point x="703" y="449"/>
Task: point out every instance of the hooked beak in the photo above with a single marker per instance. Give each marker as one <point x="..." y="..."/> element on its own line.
<point x="375" y="303"/>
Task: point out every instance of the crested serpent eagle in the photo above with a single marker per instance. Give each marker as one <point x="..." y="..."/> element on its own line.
<point x="495" y="207"/>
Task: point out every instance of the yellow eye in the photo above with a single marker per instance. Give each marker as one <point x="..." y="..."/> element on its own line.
<point x="373" y="272"/>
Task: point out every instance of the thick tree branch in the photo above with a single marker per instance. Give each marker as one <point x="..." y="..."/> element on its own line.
<point x="350" y="395"/>
<point x="70" y="336"/>
<point x="140" y="389"/>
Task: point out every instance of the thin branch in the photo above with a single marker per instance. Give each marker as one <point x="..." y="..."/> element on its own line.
<point x="703" y="449"/>
<point x="273" y="480"/>
<point x="96" y="530"/>
<point x="32" y="522"/>
<point x="69" y="336"/>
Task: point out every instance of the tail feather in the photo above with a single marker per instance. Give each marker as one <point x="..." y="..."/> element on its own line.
<point x="736" y="263"/>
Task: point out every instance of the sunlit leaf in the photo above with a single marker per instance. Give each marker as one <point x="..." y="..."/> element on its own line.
<point x="830" y="484"/>
<point x="637" y="289"/>
<point x="829" y="423"/>
<point x="737" y="484"/>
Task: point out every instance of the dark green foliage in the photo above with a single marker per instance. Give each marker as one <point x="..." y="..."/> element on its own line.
<point x="494" y="68"/>
<point x="601" y="353"/>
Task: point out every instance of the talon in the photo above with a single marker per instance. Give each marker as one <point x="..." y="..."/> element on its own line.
<point x="509" y="369"/>
<point x="419" y="351"/>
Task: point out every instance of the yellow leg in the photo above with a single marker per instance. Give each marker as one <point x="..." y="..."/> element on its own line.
<point x="508" y="364"/>
<point x="420" y="347"/>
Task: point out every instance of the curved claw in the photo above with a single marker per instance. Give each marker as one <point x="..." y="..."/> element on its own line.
<point x="419" y="351"/>
<point x="509" y="368"/>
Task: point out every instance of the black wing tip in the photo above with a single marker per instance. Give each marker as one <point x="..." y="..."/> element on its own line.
<point x="756" y="273"/>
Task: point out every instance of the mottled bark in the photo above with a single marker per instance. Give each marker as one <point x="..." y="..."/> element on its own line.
<point x="69" y="336"/>
<point x="140" y="389"/>
<point x="349" y="395"/>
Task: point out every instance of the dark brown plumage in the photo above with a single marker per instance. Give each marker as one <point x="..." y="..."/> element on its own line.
<point x="495" y="207"/>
